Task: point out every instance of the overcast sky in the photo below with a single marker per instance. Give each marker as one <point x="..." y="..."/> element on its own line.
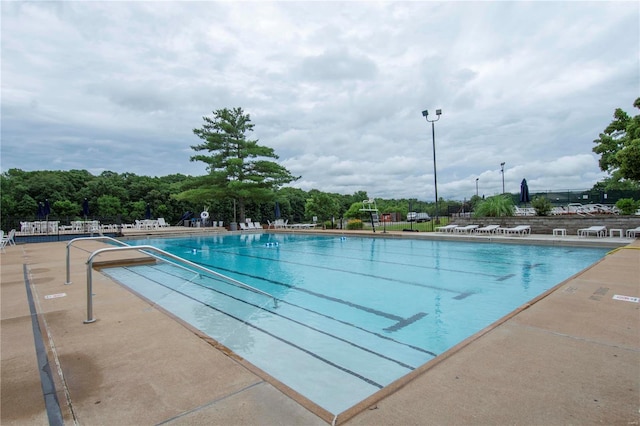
<point x="336" y="88"/>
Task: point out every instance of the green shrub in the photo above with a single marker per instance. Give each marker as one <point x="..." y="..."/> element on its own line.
<point x="627" y="205"/>
<point x="354" y="224"/>
<point x="496" y="206"/>
<point x="542" y="205"/>
<point x="327" y="224"/>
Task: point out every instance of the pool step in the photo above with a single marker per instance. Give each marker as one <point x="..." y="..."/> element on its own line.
<point x="308" y="352"/>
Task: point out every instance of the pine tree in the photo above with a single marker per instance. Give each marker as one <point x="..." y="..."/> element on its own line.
<point x="238" y="168"/>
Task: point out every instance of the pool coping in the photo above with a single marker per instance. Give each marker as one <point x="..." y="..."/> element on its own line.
<point x="386" y="406"/>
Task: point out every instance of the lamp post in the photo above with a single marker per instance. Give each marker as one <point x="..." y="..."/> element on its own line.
<point x="502" y="171"/>
<point x="425" y="114"/>
<point x="477" y="186"/>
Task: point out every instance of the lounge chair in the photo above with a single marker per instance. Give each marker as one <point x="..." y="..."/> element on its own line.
<point x="635" y="232"/>
<point x="447" y="228"/>
<point x="469" y="229"/>
<point x="257" y="225"/>
<point x="521" y="230"/>
<point x="598" y="231"/>
<point x="162" y="223"/>
<point x="489" y="229"/>
<point x="243" y="226"/>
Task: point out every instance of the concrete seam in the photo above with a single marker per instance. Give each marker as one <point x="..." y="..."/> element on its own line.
<point x="210" y="403"/>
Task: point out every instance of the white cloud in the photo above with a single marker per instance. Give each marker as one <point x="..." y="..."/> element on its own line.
<point x="337" y="89"/>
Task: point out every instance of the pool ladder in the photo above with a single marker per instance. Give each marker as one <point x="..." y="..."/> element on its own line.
<point x="145" y="249"/>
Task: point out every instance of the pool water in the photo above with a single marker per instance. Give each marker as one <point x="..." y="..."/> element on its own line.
<point x="354" y="313"/>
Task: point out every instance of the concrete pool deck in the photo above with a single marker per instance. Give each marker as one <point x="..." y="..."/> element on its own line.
<point x="572" y="356"/>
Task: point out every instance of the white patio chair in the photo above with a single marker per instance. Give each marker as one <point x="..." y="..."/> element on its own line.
<point x="469" y="229"/>
<point x="10" y="237"/>
<point x="598" y="231"/>
<point x="633" y="233"/>
<point x="520" y="230"/>
<point x="489" y="229"/>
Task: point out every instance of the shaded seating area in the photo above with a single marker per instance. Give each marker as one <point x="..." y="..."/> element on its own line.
<point x="598" y="231"/>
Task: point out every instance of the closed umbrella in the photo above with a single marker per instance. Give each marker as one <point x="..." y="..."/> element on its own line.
<point x="277" y="210"/>
<point x="524" y="192"/>
<point x="85" y="208"/>
<point x="147" y="212"/>
<point x="47" y="208"/>
<point x="40" y="212"/>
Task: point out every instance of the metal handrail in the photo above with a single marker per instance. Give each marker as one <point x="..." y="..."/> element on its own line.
<point x="70" y="243"/>
<point x="115" y="241"/>
<point x="90" y="318"/>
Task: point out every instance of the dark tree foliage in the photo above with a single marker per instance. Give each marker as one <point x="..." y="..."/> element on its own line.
<point x="619" y="146"/>
<point x="112" y="197"/>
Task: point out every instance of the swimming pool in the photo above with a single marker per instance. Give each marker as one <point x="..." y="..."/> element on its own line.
<point x="354" y="313"/>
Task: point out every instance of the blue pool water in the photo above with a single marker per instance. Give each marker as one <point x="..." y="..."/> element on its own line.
<point x="354" y="313"/>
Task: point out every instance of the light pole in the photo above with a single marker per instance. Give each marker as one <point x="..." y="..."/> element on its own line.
<point x="502" y="171"/>
<point x="477" y="186"/>
<point x="425" y="114"/>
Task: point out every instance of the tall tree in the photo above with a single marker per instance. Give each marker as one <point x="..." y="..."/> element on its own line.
<point x="619" y="146"/>
<point x="238" y="168"/>
<point x="322" y="205"/>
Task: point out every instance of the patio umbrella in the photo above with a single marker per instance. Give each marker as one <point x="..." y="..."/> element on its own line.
<point x="85" y="208"/>
<point x="524" y="192"/>
<point x="40" y="212"/>
<point x="277" y="210"/>
<point x="147" y="212"/>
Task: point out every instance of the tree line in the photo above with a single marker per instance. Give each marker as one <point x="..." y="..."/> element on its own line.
<point x="123" y="198"/>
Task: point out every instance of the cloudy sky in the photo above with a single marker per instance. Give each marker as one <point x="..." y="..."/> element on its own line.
<point x="336" y="88"/>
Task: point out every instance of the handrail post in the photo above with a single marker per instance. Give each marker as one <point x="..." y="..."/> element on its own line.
<point x="68" y="281"/>
<point x="90" y="317"/>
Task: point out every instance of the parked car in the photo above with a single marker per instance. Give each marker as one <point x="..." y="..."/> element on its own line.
<point x="418" y="217"/>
